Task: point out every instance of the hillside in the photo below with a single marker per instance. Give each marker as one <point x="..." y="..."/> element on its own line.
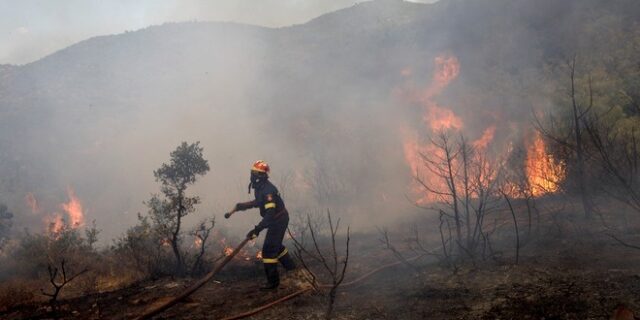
<point x="100" y="114"/>
<point x="467" y="159"/>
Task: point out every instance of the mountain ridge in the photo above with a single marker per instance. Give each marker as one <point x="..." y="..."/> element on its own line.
<point x="327" y="91"/>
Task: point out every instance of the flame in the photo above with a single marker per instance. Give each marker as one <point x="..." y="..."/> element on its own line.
<point x="438" y="119"/>
<point x="73" y="208"/>
<point x="411" y="152"/>
<point x="197" y="242"/>
<point x="165" y="242"/>
<point x="228" y="251"/>
<point x="435" y="118"/>
<point x="544" y="174"/>
<point x="487" y="137"/>
<point x="55" y="224"/>
<point x="32" y="202"/>
<point x="259" y="255"/>
<point x="412" y="155"/>
<point x="447" y="69"/>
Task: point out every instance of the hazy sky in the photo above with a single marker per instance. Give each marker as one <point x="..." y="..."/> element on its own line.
<point x="31" y="29"/>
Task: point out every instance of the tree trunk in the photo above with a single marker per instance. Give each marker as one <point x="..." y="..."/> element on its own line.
<point x="582" y="183"/>
<point x="176" y="234"/>
<point x="454" y="193"/>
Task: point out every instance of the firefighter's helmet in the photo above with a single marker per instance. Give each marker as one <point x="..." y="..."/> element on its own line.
<point x="260" y="166"/>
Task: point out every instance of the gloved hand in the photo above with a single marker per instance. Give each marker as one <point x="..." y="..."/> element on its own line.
<point x="228" y="214"/>
<point x="253" y="234"/>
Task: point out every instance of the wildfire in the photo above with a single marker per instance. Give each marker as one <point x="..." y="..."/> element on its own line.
<point x="447" y="70"/>
<point x="487" y="137"/>
<point x="54" y="223"/>
<point x="411" y="152"/>
<point x="228" y="251"/>
<point x="436" y="118"/>
<point x="197" y="242"/>
<point x="259" y="255"/>
<point x="544" y="174"/>
<point x="72" y="215"/>
<point x="32" y="202"/>
<point x="73" y="208"/>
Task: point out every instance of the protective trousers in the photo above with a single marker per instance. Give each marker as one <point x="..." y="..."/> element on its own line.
<point x="273" y="251"/>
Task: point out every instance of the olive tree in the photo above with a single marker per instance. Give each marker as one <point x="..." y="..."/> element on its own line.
<point x="167" y="211"/>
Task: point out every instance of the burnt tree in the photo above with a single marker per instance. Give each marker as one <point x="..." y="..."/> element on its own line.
<point x="201" y="234"/>
<point x="59" y="278"/>
<point x="461" y="183"/>
<point x="572" y="138"/>
<point x="330" y="261"/>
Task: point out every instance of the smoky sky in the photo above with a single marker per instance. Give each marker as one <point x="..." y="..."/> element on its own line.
<point x="32" y="29"/>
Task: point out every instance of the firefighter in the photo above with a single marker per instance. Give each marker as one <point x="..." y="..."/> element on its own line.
<point x="275" y="219"/>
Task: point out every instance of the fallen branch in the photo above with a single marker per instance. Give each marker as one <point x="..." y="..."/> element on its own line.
<point x="154" y="310"/>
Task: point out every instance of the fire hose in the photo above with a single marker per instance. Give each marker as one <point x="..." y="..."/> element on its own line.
<point x="162" y="306"/>
<point x="301" y="291"/>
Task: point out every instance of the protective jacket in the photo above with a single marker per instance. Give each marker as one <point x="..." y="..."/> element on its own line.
<point x="268" y="200"/>
<point x="275" y="219"/>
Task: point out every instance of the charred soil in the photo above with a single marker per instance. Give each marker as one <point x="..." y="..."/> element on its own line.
<point x="560" y="278"/>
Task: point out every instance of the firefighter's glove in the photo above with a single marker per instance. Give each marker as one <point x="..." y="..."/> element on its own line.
<point x="235" y="208"/>
<point x="253" y="234"/>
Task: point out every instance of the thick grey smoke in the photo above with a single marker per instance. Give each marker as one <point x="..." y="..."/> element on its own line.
<point x="324" y="102"/>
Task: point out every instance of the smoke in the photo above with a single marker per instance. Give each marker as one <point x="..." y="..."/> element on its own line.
<point x="329" y="104"/>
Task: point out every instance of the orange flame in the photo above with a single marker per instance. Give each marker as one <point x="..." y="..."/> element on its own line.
<point x="411" y="152"/>
<point x="486" y="138"/>
<point x="259" y="255"/>
<point x="435" y="118"/>
<point x="441" y="119"/>
<point x="32" y="202"/>
<point x="228" y="251"/>
<point x="544" y="174"/>
<point x="54" y="223"/>
<point x="447" y="70"/>
<point x="197" y="242"/>
<point x="73" y="208"/>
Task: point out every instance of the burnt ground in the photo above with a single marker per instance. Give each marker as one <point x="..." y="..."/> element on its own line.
<point x="569" y="279"/>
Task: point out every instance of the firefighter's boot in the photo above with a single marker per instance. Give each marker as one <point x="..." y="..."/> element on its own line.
<point x="273" y="278"/>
